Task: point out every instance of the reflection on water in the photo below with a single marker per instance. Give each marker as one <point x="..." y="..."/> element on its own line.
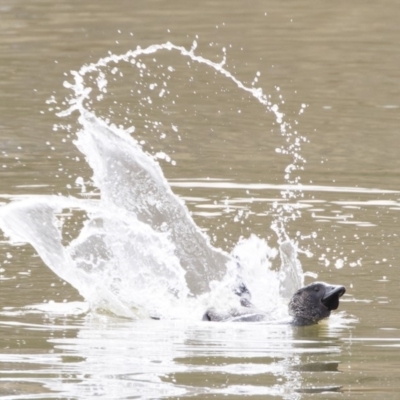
<point x="84" y="357"/>
<point x="109" y="358"/>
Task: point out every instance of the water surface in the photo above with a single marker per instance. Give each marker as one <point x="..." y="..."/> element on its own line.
<point x="342" y="61"/>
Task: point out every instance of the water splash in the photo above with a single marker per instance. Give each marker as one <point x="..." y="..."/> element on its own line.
<point x="130" y="180"/>
<point x="139" y="252"/>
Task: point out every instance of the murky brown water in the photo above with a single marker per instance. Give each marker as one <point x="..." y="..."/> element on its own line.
<point x="342" y="60"/>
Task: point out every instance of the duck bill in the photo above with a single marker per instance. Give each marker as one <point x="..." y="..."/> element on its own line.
<point x="331" y="296"/>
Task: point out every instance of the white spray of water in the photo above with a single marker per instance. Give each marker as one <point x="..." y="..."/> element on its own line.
<point x="140" y="252"/>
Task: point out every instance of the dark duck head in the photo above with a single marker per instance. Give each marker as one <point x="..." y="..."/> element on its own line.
<point x="308" y="305"/>
<point x="314" y="302"/>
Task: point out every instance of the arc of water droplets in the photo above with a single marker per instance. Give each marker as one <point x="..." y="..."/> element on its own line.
<point x="82" y="93"/>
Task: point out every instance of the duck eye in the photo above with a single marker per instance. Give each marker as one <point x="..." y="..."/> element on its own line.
<point x="316" y="289"/>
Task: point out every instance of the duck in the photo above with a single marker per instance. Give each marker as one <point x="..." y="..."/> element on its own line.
<point x="308" y="306"/>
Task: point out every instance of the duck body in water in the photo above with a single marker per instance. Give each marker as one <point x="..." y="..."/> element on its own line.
<point x="308" y="306"/>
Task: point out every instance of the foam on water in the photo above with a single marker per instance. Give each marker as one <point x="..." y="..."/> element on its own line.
<point x="139" y="252"/>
